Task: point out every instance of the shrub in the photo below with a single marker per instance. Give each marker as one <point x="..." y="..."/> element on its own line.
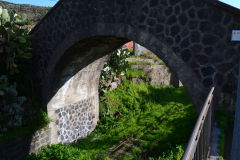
<point x="115" y="67"/>
<point x="11" y="110"/>
<point x="14" y="46"/>
<point x="17" y="112"/>
<point x="14" y="39"/>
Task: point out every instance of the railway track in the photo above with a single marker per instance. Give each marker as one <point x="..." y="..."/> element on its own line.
<point x="124" y="146"/>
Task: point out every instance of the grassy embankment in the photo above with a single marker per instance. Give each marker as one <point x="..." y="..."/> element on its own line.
<point x="157" y="121"/>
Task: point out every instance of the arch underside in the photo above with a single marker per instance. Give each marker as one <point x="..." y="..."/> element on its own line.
<point x="72" y="85"/>
<point x="95" y="46"/>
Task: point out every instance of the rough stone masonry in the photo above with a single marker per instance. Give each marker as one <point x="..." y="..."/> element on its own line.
<point x="191" y="36"/>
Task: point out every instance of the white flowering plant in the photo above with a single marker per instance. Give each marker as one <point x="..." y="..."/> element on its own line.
<point x="115" y="67"/>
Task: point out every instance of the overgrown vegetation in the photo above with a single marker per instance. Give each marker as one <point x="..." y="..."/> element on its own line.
<point x="224" y="120"/>
<point x="152" y="118"/>
<point x="141" y="63"/>
<point x="15" y="41"/>
<point x="135" y="73"/>
<point x="115" y="68"/>
<point x="18" y="105"/>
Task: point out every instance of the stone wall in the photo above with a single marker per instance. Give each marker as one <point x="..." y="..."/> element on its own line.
<point x="76" y="120"/>
<point x="40" y="138"/>
<point x="145" y="60"/>
<point x="192" y="37"/>
<point x="159" y="75"/>
<point x="74" y="108"/>
<point x="140" y="50"/>
<point x="73" y="111"/>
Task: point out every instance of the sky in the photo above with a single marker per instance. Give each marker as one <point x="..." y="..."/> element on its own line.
<point x="50" y="3"/>
<point x="235" y="3"/>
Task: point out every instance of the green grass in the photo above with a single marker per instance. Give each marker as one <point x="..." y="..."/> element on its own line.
<point x="135" y="73"/>
<point x="173" y="154"/>
<point x="131" y="51"/>
<point x="154" y="115"/>
<point x="220" y="158"/>
<point x="162" y="63"/>
<point x="141" y="63"/>
<point x="146" y="56"/>
<point x="224" y="120"/>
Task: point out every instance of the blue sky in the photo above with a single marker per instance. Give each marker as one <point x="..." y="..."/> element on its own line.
<point x="51" y="3"/>
<point x="235" y="3"/>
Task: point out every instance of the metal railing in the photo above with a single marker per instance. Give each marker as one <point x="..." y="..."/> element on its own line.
<point x="199" y="144"/>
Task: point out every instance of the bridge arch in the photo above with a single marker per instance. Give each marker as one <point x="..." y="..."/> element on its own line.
<point x="73" y="80"/>
<point x="72" y="40"/>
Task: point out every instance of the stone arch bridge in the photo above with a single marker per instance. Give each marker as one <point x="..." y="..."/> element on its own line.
<point x="193" y="38"/>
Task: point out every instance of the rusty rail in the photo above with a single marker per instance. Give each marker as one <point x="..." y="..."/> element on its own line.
<point x="200" y="142"/>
